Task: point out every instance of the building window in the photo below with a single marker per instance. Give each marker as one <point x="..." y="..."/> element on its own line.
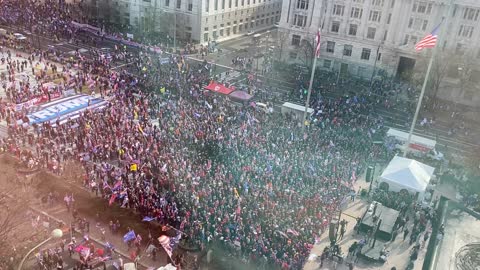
<point x="365" y="54"/>
<point x="459" y="50"/>
<point x="356" y="13"/>
<point x="223" y="4"/>
<point x="215" y="5"/>
<point x="296" y="40"/>
<point x="338" y="10"/>
<point x="335" y="27"/>
<point x="374" y="16"/>
<point x="465" y="31"/>
<point x="418" y="24"/>
<point x="422" y="7"/>
<point x="205" y="37"/>
<point x="385" y="35"/>
<point x="300" y="20"/>
<point x="389" y="18"/>
<point x="167" y="3"/>
<point x="371" y="32"/>
<point x="179" y="3"/>
<point x="292" y="55"/>
<point x="405" y="41"/>
<point x="330" y="46"/>
<point x="347" y="50"/>
<point x="221" y="32"/>
<point x="392" y="3"/>
<point x="379" y="56"/>
<point x="327" y="63"/>
<point x="352" y="30"/>
<point x="190" y="6"/>
<point x="302" y="4"/>
<point x="378" y="3"/>
<point x="470" y="14"/>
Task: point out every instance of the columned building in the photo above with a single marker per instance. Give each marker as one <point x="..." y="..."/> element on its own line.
<point x="362" y="37"/>
<point x="198" y="21"/>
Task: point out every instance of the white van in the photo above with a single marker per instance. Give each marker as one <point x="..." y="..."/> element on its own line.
<point x="419" y="146"/>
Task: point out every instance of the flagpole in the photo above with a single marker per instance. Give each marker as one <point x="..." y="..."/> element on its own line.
<point x="425" y="81"/>
<point x="419" y="105"/>
<point x="309" y="91"/>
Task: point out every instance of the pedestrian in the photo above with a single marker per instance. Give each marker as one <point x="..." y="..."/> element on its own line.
<point x="405" y="233"/>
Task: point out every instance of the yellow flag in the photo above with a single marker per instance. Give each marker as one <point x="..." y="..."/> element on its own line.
<point x="133" y="167"/>
<point x="162" y="90"/>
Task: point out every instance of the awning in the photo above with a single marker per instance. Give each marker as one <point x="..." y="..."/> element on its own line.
<point x="241" y="95"/>
<point x="219" y="88"/>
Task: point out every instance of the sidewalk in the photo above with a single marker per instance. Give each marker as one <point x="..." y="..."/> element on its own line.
<point x="60" y="213"/>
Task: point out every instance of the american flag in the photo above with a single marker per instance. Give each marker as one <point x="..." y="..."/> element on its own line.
<point x="317" y="42"/>
<point x="429" y="41"/>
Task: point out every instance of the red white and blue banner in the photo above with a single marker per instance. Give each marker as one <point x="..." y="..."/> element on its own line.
<point x="64" y="109"/>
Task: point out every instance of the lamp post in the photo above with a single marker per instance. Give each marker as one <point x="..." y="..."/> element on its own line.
<point x="57" y="233"/>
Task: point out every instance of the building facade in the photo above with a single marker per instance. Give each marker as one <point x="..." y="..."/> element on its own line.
<point x="362" y="37"/>
<point x="197" y="21"/>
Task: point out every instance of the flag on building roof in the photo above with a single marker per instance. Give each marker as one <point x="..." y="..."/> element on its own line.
<point x="317" y="44"/>
<point x="429" y="41"/>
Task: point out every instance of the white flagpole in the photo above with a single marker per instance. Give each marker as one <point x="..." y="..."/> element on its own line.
<point x="427" y="75"/>
<point x="419" y="105"/>
<point x="307" y="103"/>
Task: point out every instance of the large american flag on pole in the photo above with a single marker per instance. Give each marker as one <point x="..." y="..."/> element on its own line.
<point x="429" y="41"/>
<point x="317" y="44"/>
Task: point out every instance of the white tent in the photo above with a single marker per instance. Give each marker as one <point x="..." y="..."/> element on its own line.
<point x="403" y="173"/>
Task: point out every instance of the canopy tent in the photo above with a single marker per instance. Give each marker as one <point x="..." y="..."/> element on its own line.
<point x="219" y="88"/>
<point x="403" y="173"/>
<point x="241" y="95"/>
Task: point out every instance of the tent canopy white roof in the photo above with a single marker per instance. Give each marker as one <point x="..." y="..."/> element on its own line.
<point x="409" y="174"/>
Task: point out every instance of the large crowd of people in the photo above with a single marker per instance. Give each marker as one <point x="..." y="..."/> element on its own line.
<point x="216" y="171"/>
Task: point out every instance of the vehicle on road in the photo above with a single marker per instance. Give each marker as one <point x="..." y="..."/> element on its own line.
<point x="19" y="36"/>
<point x="249" y="33"/>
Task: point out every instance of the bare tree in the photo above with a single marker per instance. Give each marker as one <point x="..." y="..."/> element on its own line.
<point x="282" y="41"/>
<point x="307" y="50"/>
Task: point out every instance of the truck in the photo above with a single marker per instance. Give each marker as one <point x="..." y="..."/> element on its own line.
<point x="419" y="146"/>
<point x="296" y="110"/>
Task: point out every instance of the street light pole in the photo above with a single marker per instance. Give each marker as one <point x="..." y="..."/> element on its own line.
<point x="57" y="233"/>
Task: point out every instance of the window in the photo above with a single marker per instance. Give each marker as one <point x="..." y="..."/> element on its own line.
<point x="347" y="50"/>
<point x="338" y="10"/>
<point x="418" y="24"/>
<point x="335" y="27"/>
<point x="179" y="3"/>
<point x="292" y="55"/>
<point x="167" y="3"/>
<point x="422" y="7"/>
<point x="302" y="4"/>
<point x="327" y="63"/>
<point x="465" y="31"/>
<point x="374" y="16"/>
<point x="365" y="54"/>
<point x="205" y="37"/>
<point x="470" y="14"/>
<point x="356" y="13"/>
<point x="223" y="4"/>
<point x="459" y="50"/>
<point x="379" y="56"/>
<point x="296" y="40"/>
<point x="405" y="41"/>
<point x="190" y="6"/>
<point x="221" y="32"/>
<point x="215" y="5"/>
<point x="352" y="30"/>
<point x="207" y="6"/>
<point x="371" y="32"/>
<point x="389" y="18"/>
<point x="330" y="46"/>
<point x="300" y="20"/>
<point x="378" y="3"/>
<point x="413" y="39"/>
<point x="392" y="3"/>
<point x="385" y="34"/>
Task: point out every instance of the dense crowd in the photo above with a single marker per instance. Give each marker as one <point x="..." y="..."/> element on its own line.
<point x="210" y="168"/>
